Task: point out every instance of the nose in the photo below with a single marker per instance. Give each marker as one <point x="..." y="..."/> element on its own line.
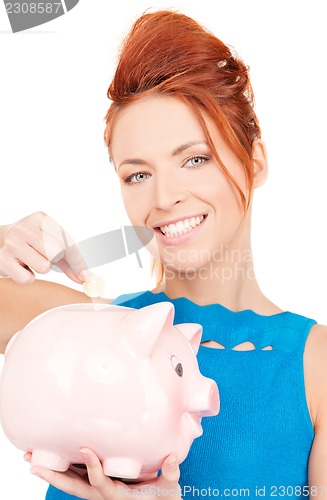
<point x="168" y="191"/>
<point x="205" y="398"/>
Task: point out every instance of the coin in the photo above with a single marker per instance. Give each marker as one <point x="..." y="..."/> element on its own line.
<point x="95" y="287"/>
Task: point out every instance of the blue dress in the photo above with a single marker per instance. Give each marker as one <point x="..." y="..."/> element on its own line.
<point x="260" y="442"/>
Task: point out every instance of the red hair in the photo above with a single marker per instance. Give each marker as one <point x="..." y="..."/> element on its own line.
<point x="169" y="53"/>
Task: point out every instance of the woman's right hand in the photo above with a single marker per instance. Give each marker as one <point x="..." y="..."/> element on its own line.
<point x="33" y="244"/>
<point x="96" y="486"/>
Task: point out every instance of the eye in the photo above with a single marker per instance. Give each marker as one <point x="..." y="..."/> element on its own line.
<point x="197" y="161"/>
<point x="177" y="365"/>
<point x="139" y="176"/>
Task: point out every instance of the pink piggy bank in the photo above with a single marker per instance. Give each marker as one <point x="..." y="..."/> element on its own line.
<point x="124" y="382"/>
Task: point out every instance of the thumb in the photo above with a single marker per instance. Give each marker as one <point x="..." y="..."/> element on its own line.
<point x="170" y="473"/>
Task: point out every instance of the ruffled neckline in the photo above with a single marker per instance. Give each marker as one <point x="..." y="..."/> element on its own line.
<point x="187" y="310"/>
<point x="284" y="331"/>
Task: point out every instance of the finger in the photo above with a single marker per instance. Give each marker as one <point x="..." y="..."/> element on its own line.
<point x="29" y="231"/>
<point x="72" y="263"/>
<point x="53" y="239"/>
<point x="69" y="259"/>
<point x="66" y="256"/>
<point x="68" y="481"/>
<point x="38" y="241"/>
<point x="79" y="469"/>
<point x="170" y="474"/>
<point x="56" y="241"/>
<point x="22" y="250"/>
<point x="19" y="272"/>
<point x="97" y="479"/>
<point x="49" y="245"/>
<point x="74" y="258"/>
<point x="33" y="259"/>
<point x="78" y="277"/>
<point x="27" y="456"/>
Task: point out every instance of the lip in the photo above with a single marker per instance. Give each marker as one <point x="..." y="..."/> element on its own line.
<point x="174" y="221"/>
<point x="183" y="238"/>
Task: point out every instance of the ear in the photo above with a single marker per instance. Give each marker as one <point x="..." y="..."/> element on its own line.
<point x="260" y="162"/>
<point x="193" y="333"/>
<point x="142" y="327"/>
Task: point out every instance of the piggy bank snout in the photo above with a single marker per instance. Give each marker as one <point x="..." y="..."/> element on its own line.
<point x="205" y="399"/>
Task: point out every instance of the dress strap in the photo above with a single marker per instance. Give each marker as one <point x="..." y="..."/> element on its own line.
<point x="296" y="333"/>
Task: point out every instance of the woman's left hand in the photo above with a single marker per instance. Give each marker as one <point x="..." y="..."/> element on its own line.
<point x="96" y="486"/>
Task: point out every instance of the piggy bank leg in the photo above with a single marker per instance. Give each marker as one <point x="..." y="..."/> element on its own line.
<point x="122" y="467"/>
<point x="49" y="460"/>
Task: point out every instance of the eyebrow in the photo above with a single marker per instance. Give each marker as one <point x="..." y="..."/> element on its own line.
<point x="175" y="152"/>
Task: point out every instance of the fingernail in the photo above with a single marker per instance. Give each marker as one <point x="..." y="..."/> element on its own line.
<point x="172" y="462"/>
<point x="85" y="456"/>
<point x="85" y="275"/>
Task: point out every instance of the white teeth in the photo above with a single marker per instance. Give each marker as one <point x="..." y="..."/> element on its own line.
<point x="172" y="228"/>
<point x="182" y="226"/>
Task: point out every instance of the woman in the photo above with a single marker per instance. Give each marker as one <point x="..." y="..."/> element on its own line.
<point x="186" y="144"/>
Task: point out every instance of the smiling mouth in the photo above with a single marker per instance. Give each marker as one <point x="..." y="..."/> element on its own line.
<point x="182" y="227"/>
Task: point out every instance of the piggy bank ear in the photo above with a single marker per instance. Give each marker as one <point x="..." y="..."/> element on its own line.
<point x="143" y="327"/>
<point x="193" y="333"/>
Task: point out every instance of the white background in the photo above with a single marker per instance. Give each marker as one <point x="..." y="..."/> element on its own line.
<point x="53" y="100"/>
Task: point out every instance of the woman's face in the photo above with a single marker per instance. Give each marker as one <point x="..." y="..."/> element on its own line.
<point x="168" y="174"/>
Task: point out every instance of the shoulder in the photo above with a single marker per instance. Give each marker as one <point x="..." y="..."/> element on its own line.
<point x="315" y="373"/>
<point x="315" y="356"/>
<point x="317" y="338"/>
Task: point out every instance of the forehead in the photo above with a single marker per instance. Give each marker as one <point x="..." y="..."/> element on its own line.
<point x="154" y="124"/>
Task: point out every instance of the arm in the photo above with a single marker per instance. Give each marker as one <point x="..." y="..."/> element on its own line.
<point x="19" y="304"/>
<point x="316" y="375"/>
<point x="27" y="246"/>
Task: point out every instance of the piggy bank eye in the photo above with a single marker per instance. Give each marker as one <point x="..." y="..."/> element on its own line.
<point x="177" y="366"/>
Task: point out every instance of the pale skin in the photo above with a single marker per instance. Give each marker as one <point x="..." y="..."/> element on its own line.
<point x="171" y="179"/>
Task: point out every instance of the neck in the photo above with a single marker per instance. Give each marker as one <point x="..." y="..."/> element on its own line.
<point x="228" y="280"/>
